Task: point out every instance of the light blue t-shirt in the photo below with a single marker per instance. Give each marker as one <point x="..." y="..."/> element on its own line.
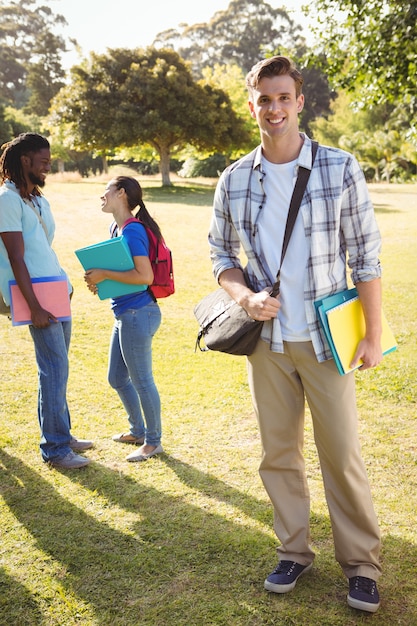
<point x="18" y="216"/>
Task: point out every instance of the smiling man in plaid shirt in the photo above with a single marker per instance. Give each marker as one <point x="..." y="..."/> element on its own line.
<point x="335" y="228"/>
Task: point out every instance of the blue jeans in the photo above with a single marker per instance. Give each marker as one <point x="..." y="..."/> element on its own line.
<point x="51" y="350"/>
<point x="130" y="370"/>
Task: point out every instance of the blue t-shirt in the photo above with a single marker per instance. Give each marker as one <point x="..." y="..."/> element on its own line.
<point x="138" y="242"/>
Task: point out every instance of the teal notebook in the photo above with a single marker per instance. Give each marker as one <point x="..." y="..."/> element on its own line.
<point x="112" y="254"/>
<point x="343" y="323"/>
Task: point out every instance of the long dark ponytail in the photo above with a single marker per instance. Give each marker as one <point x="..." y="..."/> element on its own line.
<point x="134" y="198"/>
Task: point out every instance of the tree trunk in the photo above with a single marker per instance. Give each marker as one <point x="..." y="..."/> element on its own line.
<point x="105" y="164"/>
<point x="164" y="162"/>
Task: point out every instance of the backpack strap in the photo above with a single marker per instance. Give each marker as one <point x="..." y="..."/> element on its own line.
<point x="114" y="227"/>
<point x="131" y="220"/>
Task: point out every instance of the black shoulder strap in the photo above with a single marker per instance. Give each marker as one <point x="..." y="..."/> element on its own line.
<point x="297" y="196"/>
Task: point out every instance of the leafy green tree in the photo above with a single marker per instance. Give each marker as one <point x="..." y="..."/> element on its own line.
<point x="127" y="97"/>
<point x="344" y="119"/>
<point x="15" y="121"/>
<point x="318" y="96"/>
<point x="375" y="135"/>
<point x="30" y="65"/>
<point x="379" y="151"/>
<point x="371" y="46"/>
<point x="231" y="79"/>
<point x="6" y="130"/>
<point x="244" y="33"/>
<point x="238" y="37"/>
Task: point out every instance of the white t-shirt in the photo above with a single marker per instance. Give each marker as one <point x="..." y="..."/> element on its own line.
<point x="279" y="182"/>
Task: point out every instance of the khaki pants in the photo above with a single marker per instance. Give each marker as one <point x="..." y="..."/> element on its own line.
<point x="279" y="385"/>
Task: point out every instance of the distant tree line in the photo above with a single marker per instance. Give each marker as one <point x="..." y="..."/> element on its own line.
<point x="183" y="99"/>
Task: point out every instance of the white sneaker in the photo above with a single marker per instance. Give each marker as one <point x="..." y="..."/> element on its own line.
<point x="139" y="456"/>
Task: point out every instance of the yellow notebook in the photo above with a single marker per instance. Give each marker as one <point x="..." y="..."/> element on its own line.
<point x="347" y="328"/>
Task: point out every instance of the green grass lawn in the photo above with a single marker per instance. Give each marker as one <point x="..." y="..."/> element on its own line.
<point x="186" y="538"/>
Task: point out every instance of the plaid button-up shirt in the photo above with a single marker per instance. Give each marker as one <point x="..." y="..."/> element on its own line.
<point x="339" y="223"/>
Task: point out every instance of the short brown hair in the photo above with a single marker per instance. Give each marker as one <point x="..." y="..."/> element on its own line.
<point x="275" y="66"/>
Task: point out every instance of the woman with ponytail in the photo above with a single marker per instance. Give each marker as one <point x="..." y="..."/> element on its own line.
<point x="137" y="318"/>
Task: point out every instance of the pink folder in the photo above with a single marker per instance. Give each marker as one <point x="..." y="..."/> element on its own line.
<point x="52" y="293"/>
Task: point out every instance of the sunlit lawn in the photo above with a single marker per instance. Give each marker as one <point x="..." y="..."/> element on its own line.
<point x="186" y="538"/>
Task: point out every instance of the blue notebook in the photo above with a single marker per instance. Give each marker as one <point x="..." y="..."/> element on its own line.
<point x="112" y="254"/>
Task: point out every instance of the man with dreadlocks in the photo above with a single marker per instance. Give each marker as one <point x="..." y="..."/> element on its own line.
<point x="26" y="232"/>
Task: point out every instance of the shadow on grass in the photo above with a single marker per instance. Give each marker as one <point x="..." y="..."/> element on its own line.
<point x="193" y="195"/>
<point x="22" y="603"/>
<point x="212" y="487"/>
<point x="178" y="562"/>
<point x="385" y="209"/>
<point x="159" y="556"/>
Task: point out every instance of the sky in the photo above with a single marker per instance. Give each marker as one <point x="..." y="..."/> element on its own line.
<point x="101" y="24"/>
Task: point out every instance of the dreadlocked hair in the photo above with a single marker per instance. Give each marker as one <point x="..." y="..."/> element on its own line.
<point x="134" y="198"/>
<point x="10" y="163"/>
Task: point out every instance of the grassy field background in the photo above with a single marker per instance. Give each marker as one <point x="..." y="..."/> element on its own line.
<point x="186" y="538"/>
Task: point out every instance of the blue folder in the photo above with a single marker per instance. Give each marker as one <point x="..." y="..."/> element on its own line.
<point x="346" y="327"/>
<point x="324" y="305"/>
<point x="112" y="254"/>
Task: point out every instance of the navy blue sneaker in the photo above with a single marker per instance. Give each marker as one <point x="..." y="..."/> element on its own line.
<point x="363" y="594"/>
<point x="285" y="576"/>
